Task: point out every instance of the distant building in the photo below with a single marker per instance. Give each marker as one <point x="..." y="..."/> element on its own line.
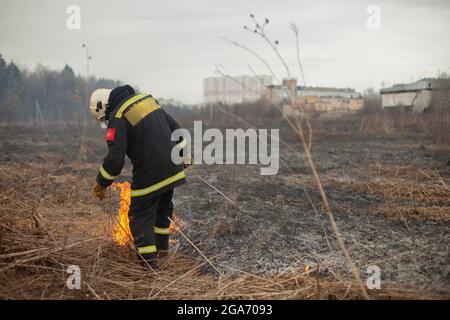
<point x="324" y="92"/>
<point x="313" y="98"/>
<point x="231" y="90"/>
<point x="415" y="97"/>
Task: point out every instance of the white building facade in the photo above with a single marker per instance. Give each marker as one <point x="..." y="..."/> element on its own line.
<point x="231" y="90"/>
<point x="415" y="97"/>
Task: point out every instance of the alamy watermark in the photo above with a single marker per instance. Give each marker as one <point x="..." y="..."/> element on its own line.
<point x="374" y="19"/>
<point x="373" y="277"/>
<point x="74" y="279"/>
<point x="238" y="146"/>
<point x="73" y="21"/>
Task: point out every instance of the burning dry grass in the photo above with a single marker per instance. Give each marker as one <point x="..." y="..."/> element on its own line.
<point x="121" y="230"/>
<point x="43" y="232"/>
<point x="109" y="272"/>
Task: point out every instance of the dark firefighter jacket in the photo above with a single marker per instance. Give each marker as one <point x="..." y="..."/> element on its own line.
<point x="141" y="129"/>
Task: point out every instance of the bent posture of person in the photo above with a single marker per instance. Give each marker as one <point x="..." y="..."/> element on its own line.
<point x="138" y="127"/>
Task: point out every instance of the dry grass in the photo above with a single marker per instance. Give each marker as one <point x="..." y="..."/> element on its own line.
<point x="408" y="191"/>
<point x="49" y="223"/>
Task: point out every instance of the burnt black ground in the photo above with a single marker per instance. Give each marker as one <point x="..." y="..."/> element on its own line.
<point x="276" y="227"/>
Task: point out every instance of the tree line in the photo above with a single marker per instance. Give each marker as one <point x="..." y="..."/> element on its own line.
<point x="43" y="95"/>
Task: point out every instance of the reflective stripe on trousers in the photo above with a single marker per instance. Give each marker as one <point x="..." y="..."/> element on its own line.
<point x="147" y="249"/>
<point x="141" y="192"/>
<point x="162" y="230"/>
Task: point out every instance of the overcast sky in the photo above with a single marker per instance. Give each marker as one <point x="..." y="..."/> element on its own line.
<point x="168" y="47"/>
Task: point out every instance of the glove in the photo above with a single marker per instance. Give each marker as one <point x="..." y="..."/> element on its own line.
<point x="187" y="161"/>
<point x="98" y="191"/>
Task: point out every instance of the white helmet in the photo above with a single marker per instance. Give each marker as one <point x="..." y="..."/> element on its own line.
<point x="98" y="104"/>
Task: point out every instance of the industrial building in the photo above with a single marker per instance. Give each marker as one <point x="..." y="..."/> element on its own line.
<point x="313" y="98"/>
<point x="231" y="90"/>
<point x="416" y="97"/>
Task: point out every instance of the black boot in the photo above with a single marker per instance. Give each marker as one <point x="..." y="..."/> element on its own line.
<point x="148" y="260"/>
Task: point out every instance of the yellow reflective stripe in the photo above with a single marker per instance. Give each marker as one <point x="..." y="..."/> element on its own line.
<point x="147" y="249"/>
<point x="106" y="175"/>
<point x="127" y="103"/>
<point x="159" y="185"/>
<point x="140" y="110"/>
<point x="162" y="230"/>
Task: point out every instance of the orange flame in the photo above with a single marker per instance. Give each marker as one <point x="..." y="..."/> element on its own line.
<point x="121" y="230"/>
<point x="176" y="222"/>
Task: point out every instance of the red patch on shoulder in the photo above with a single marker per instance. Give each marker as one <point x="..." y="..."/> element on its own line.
<point x="110" y="134"/>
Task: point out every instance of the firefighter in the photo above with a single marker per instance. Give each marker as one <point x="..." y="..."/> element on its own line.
<point x="138" y="127"/>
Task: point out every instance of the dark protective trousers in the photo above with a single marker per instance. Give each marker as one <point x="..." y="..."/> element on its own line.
<point x="149" y="223"/>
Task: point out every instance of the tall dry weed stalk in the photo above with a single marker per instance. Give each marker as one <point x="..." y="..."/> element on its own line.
<point x="297" y="125"/>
